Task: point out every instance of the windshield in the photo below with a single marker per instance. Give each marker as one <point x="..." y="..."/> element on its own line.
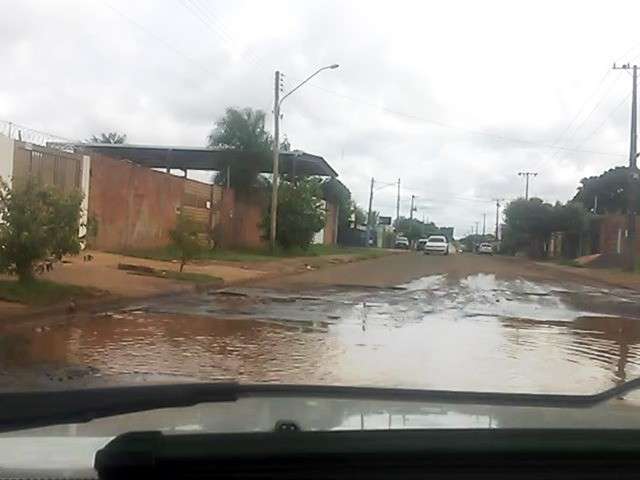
<point x="336" y="193"/>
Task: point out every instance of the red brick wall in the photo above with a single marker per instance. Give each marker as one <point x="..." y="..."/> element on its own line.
<point x="240" y="219"/>
<point x="331" y="224"/>
<point x="609" y="226"/>
<point x="134" y="206"/>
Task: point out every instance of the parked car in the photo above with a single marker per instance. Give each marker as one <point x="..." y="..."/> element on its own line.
<point x="485" y="248"/>
<point x="436" y="244"/>
<point x="420" y="244"/>
<point x="401" y="242"/>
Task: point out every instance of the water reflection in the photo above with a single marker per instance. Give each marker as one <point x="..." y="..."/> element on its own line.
<point x="476" y="334"/>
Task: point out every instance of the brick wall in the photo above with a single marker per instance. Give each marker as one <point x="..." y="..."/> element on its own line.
<point x="331" y="224"/>
<point x="133" y="206"/>
<point x="240" y="219"/>
<point x="609" y="225"/>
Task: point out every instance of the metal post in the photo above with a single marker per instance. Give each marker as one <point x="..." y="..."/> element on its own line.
<point x="398" y="205"/>
<point x="413" y="197"/>
<point x="484" y="224"/>
<point x="633" y="178"/>
<point x="497" y="219"/>
<point x="369" y="213"/>
<point x="276" y="153"/>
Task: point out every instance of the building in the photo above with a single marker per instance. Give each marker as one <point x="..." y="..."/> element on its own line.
<point x="132" y="204"/>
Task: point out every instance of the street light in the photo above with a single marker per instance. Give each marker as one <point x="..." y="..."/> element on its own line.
<point x="276" y="145"/>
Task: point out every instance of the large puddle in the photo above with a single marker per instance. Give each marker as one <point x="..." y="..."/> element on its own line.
<point x="478" y="333"/>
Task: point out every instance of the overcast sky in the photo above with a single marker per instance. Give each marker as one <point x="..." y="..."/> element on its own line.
<point x="455" y="98"/>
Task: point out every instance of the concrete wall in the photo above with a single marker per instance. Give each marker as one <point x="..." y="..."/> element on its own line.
<point x="6" y="158"/>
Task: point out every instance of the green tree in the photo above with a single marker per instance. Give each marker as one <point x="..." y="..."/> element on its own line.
<point x="610" y="188"/>
<point x="300" y="213"/>
<point x="184" y="238"/>
<point x="111" y="137"/>
<point x="414" y="229"/>
<point x="37" y="222"/>
<point x="242" y="130"/>
<point x="529" y="224"/>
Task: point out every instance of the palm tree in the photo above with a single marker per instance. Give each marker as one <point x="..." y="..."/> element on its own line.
<point x="111" y="137"/>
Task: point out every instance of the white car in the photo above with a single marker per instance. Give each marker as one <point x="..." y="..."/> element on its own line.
<point x="436" y="244"/>
<point x="401" y="242"/>
<point x="485" y="248"/>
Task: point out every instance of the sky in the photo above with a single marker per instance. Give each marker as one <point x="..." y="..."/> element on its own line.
<point x="454" y="98"/>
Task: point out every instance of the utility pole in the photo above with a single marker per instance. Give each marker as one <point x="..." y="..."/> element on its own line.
<point x="413" y="197"/>
<point x="276" y="156"/>
<point x="526" y="188"/>
<point x="633" y="171"/>
<point x="369" y="213"/>
<point x="398" y="205"/>
<point x="477" y="223"/>
<point x="498" y="200"/>
<point x="484" y="224"/>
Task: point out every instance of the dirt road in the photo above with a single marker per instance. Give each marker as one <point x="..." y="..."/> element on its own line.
<point x="456" y="322"/>
<point x="398" y="269"/>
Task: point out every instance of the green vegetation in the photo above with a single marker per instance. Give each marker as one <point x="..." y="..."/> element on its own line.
<point x="414" y="229"/>
<point x="242" y="130"/>
<point x="42" y="292"/>
<point x="185" y="241"/>
<point x="529" y="224"/>
<point x="111" y="137"/>
<point x="300" y="213"/>
<point x="37" y="223"/>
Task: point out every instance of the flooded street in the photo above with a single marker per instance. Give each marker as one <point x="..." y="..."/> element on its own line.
<point x="447" y="330"/>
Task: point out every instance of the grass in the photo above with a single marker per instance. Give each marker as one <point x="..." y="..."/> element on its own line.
<point x="569" y="263"/>
<point x="42" y="292"/>
<point x="198" y="278"/>
<point x="259" y="255"/>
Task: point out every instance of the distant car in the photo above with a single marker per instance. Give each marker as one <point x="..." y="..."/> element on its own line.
<point x="485" y="248"/>
<point x="401" y="242"/>
<point x="436" y="244"/>
<point x="420" y="244"/>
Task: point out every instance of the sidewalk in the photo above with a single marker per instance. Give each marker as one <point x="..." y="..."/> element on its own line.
<point x="609" y="276"/>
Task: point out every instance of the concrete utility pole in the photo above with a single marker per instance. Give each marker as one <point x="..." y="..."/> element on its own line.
<point x="632" y="194"/>
<point x="498" y="200"/>
<point x="477" y="223"/>
<point x="369" y="212"/>
<point x="276" y="158"/>
<point x="413" y="197"/>
<point x="526" y="188"/>
<point x="484" y="224"/>
<point x="398" y="204"/>
<point x="277" y="103"/>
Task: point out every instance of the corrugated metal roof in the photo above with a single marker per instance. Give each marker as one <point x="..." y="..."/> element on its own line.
<point x="198" y="158"/>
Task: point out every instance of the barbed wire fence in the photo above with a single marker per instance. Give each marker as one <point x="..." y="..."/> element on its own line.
<point x="15" y="131"/>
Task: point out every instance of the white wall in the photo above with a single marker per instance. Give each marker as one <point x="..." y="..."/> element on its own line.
<point x="6" y="158"/>
<point x="86" y="176"/>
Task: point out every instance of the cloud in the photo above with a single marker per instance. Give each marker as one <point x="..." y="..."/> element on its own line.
<point x="418" y="85"/>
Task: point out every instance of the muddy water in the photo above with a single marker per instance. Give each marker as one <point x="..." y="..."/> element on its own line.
<point x="475" y="333"/>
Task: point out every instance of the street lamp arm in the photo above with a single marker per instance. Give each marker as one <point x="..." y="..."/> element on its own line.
<point x="306" y="80"/>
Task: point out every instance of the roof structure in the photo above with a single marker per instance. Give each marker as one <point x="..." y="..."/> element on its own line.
<point x="195" y="158"/>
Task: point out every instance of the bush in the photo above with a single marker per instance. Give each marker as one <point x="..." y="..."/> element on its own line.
<point x="300" y="213"/>
<point x="37" y="222"/>
<point x="184" y="238"/>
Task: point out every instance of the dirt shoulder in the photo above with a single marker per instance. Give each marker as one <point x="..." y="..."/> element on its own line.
<point x="119" y="286"/>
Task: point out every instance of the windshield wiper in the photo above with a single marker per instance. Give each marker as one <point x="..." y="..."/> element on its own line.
<point x="19" y="410"/>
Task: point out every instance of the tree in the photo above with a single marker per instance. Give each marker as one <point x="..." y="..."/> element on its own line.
<point x="111" y="137"/>
<point x="184" y="238"/>
<point x="37" y="222"/>
<point x="414" y="229"/>
<point x="242" y="130"/>
<point x="300" y="213"/>
<point x="610" y="188"/>
<point x="529" y="224"/>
